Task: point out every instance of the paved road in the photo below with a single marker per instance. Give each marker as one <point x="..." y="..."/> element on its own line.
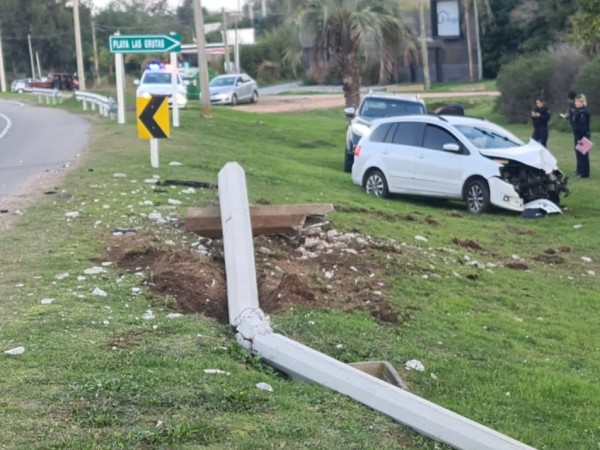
<point x="34" y="140"/>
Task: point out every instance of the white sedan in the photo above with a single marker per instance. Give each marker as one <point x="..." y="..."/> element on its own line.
<point x="457" y="157"/>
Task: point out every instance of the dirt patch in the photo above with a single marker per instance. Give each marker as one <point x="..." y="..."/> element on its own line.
<point x="517" y="266"/>
<point x="343" y="272"/>
<point x="550" y="259"/>
<point x="467" y="243"/>
<point x="286" y="103"/>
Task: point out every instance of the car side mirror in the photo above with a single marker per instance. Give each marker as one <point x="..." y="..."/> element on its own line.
<point x="350" y="112"/>
<point x="455" y="148"/>
<point x="136" y="82"/>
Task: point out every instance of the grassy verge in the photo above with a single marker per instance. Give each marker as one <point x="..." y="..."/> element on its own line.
<point x="513" y="348"/>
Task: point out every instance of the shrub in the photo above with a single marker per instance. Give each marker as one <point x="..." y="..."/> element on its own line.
<point x="521" y="82"/>
<point x="568" y="63"/>
<point x="588" y="83"/>
<point x="268" y="72"/>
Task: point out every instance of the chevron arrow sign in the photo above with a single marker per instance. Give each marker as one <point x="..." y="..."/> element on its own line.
<point x="153" y="117"/>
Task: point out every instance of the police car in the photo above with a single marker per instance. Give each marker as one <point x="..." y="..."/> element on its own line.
<point x="157" y="80"/>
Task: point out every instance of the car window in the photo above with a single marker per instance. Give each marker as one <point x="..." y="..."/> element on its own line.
<point x="407" y="133"/>
<point x="375" y="108"/>
<point x="222" y="81"/>
<point x="380" y="132"/>
<point x="157" y="78"/>
<point x="435" y="138"/>
<point x="486" y="137"/>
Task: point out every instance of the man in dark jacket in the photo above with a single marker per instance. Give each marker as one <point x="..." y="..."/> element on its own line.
<point x="540" y="117"/>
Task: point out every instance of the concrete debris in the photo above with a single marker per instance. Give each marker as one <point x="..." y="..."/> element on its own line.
<point x="148" y="315"/>
<point x="174" y="315"/>
<point x="175" y="164"/>
<point x="586" y="259"/>
<point x="61" y="276"/>
<point x="421" y="238"/>
<point x="173" y="201"/>
<point x="216" y="372"/>
<point x="47" y="301"/>
<point x="15" y="351"/>
<point x="414" y="364"/>
<point x="94" y="270"/>
<point x="72" y="214"/>
<point x="264" y="387"/>
<point x="119" y="175"/>
<point x="97" y="292"/>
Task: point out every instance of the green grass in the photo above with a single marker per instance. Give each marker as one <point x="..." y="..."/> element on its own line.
<point x="515" y="350"/>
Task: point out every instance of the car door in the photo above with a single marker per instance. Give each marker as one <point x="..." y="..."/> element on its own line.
<point x="246" y="88"/>
<point x="437" y="171"/>
<point x="399" y="153"/>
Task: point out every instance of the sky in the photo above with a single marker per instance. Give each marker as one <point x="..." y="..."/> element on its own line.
<point x="210" y="5"/>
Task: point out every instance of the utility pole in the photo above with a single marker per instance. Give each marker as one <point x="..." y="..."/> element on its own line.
<point x="226" y="43"/>
<point x="39" y="67"/>
<point x="250" y="4"/>
<point x="96" y="63"/>
<point x="31" y="56"/>
<point x="424" y="53"/>
<point x="202" y="63"/>
<point x="236" y="48"/>
<point x="78" y="49"/>
<point x="2" y="74"/>
<point x="263" y="8"/>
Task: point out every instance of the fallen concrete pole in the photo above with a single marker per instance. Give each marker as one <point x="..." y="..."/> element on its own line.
<point x="423" y="416"/>
<point x="240" y="268"/>
<point x="265" y="219"/>
<point x="299" y="361"/>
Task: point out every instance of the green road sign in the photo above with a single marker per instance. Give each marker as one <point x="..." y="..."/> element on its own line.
<point x="159" y="43"/>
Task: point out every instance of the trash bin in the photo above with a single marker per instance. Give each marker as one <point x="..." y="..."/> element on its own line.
<point x="192" y="76"/>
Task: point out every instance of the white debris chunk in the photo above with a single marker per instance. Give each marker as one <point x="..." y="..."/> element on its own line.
<point x="188" y="191"/>
<point x="175" y="164"/>
<point x="577" y="226"/>
<point x="148" y="315"/>
<point x="150" y="181"/>
<point x="420" y="238"/>
<point x="46" y="301"/>
<point x="61" y="276"/>
<point x="94" y="270"/>
<point x="433" y="376"/>
<point x="414" y="364"/>
<point x="119" y="175"/>
<point x="156" y="216"/>
<point x="99" y="292"/>
<point x="591" y="273"/>
<point x="173" y="201"/>
<point x="174" y="315"/>
<point x="72" y="214"/>
<point x="586" y="259"/>
<point x="264" y="387"/>
<point x="216" y="372"/>
<point x="15" y="351"/>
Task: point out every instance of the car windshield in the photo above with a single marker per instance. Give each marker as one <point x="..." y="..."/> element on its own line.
<point x="221" y="82"/>
<point x="157" y="78"/>
<point x="482" y="137"/>
<point x="375" y="108"/>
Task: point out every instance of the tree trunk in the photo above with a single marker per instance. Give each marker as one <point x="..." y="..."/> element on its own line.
<point x="351" y="80"/>
<point x="469" y="43"/>
<point x="423" y="39"/>
<point x="478" y="43"/>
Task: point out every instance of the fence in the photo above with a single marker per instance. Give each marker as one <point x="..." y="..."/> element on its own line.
<point x="107" y="106"/>
<point x="50" y="95"/>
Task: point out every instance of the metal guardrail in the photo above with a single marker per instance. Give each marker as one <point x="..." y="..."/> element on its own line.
<point x="107" y="106"/>
<point x="51" y="95"/>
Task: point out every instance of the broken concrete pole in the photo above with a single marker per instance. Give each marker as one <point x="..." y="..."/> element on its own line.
<point x="242" y="292"/>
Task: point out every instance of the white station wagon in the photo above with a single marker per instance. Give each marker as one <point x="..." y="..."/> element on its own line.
<point x="457" y="157"/>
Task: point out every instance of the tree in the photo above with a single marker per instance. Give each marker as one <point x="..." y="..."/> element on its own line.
<point x="481" y="11"/>
<point x="586" y="26"/>
<point x="341" y="28"/>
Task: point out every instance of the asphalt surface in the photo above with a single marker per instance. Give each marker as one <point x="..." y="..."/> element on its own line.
<point x="34" y="140"/>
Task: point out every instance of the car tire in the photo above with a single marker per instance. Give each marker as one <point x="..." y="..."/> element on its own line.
<point x="376" y="184"/>
<point x="234" y="100"/>
<point x="20" y="91"/>
<point x="254" y="98"/>
<point x="477" y="196"/>
<point x="348" y="161"/>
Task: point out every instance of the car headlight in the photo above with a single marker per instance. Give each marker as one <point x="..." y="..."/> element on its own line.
<point x="360" y="130"/>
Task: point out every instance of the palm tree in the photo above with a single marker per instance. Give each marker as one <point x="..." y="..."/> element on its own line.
<point x="482" y="11"/>
<point x="342" y="27"/>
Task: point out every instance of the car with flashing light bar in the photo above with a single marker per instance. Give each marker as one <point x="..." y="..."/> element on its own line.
<point x="157" y="80"/>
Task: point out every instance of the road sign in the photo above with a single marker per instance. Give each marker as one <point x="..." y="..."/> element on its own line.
<point x="153" y="117"/>
<point x="159" y="43"/>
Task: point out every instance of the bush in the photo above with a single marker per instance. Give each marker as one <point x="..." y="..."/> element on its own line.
<point x="521" y="82"/>
<point x="568" y="63"/>
<point x="588" y="83"/>
<point x="269" y="72"/>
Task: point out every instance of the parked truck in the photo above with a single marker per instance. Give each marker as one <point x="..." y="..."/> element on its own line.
<point x="61" y="81"/>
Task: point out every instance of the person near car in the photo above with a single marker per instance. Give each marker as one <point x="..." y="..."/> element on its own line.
<point x="571" y="111"/>
<point x="581" y="129"/>
<point x="540" y="117"/>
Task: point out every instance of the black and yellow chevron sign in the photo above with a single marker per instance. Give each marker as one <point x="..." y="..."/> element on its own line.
<point x="153" y="117"/>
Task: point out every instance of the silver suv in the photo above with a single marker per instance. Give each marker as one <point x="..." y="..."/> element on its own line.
<point x="376" y="106"/>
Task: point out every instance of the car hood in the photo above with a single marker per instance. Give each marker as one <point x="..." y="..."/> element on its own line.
<point x="531" y="154"/>
<point x="159" y="89"/>
<point x="221" y="90"/>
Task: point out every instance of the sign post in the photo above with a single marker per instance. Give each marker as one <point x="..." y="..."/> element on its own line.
<point x="120" y="44"/>
<point x="153" y="122"/>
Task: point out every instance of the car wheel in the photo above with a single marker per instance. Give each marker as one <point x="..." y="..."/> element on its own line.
<point x="234" y="100"/>
<point x="20" y="91"/>
<point x="477" y="196"/>
<point x="348" y="161"/>
<point x="376" y="184"/>
<point x="254" y="98"/>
